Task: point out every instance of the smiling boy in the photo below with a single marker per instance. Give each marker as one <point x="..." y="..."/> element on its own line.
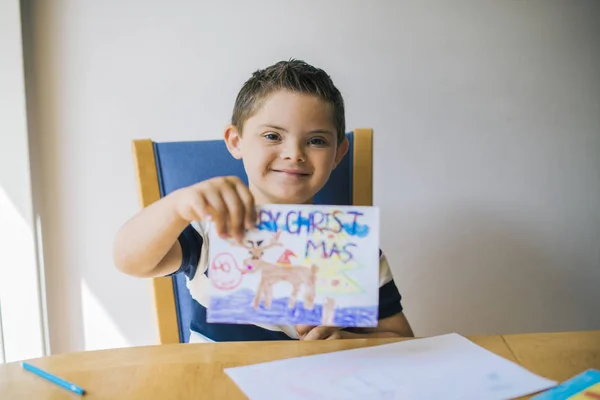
<point x="288" y="128"/>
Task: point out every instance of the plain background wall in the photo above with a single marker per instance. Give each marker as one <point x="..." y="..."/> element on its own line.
<point x="21" y="317"/>
<point x="487" y="146"/>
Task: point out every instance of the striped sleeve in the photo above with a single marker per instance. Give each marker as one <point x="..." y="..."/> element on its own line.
<point x="390" y="300"/>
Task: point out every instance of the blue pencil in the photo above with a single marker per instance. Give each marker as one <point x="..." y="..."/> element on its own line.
<point x="54" y="379"/>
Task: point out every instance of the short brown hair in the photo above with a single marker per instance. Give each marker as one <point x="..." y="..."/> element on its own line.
<point x="296" y="76"/>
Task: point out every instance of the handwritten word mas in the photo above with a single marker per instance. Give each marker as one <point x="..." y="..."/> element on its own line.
<point x="297" y="222"/>
<point x="324" y="250"/>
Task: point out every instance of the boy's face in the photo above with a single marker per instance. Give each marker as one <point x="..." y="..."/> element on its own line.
<point x="289" y="148"/>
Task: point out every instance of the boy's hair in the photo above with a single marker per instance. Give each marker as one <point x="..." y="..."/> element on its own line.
<point x="293" y="75"/>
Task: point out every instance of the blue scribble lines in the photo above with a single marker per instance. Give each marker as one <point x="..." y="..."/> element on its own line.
<point x="356" y="229"/>
<point x="238" y="307"/>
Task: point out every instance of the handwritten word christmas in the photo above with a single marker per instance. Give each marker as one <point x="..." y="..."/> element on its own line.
<point x="299" y="221"/>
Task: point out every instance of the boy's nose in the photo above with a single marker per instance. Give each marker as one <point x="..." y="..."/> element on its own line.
<point x="294" y="152"/>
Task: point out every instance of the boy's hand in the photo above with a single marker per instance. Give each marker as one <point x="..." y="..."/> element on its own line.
<point x="224" y="200"/>
<point x="307" y="332"/>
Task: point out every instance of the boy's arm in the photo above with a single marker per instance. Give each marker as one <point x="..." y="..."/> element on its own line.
<point x="147" y="245"/>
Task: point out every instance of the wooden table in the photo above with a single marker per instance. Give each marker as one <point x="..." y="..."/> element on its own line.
<point x="195" y="371"/>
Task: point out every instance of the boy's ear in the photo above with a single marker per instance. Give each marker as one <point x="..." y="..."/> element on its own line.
<point x="341" y="152"/>
<point x="233" y="140"/>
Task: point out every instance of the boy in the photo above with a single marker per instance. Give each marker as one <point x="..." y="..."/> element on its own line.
<point x="288" y="128"/>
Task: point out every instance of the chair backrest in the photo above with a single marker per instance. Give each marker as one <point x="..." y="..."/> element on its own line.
<point x="164" y="167"/>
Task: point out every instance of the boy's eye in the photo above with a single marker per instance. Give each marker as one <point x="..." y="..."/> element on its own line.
<point x="271" y="136"/>
<point x="317" y="141"/>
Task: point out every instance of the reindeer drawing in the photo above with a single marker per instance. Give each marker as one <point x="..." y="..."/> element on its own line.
<point x="257" y="248"/>
<point x="297" y="275"/>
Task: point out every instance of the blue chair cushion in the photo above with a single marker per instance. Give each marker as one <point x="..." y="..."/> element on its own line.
<point x="181" y="164"/>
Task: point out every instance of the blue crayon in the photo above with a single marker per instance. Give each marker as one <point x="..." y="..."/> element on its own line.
<point x="54" y="379"/>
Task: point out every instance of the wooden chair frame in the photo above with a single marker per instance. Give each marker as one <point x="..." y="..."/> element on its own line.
<point x="149" y="192"/>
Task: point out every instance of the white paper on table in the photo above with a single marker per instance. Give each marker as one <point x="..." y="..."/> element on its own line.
<point x="441" y="367"/>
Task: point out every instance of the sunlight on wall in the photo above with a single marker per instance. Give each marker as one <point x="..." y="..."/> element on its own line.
<point x="99" y="329"/>
<point x="19" y="295"/>
<point x="2" y="360"/>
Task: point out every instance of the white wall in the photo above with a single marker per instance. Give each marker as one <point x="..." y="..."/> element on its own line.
<point x="21" y="315"/>
<point x="487" y="154"/>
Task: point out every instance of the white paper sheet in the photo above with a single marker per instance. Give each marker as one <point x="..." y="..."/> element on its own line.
<point x="442" y="367"/>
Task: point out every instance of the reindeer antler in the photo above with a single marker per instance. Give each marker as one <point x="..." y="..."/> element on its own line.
<point x="257" y="248"/>
<point x="233" y="242"/>
<point x="274" y="241"/>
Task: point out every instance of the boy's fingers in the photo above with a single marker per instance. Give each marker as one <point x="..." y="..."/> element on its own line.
<point x="199" y="207"/>
<point x="314" y="334"/>
<point x="249" y="208"/>
<point x="219" y="212"/>
<point x="235" y="209"/>
<point x="303" y="329"/>
<point x="319" y="332"/>
<point x="326" y="332"/>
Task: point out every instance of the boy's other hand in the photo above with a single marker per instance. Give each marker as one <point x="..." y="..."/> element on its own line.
<point x="225" y="200"/>
<point x="307" y="332"/>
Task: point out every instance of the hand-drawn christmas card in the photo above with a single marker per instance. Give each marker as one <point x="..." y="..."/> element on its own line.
<point x="304" y="264"/>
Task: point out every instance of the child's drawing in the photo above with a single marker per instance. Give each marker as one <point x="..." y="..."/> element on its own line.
<point x="313" y="265"/>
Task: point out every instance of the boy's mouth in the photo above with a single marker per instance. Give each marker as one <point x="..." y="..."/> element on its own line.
<point x="292" y="172"/>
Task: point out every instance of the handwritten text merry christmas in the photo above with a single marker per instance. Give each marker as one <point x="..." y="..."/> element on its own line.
<point x="333" y="224"/>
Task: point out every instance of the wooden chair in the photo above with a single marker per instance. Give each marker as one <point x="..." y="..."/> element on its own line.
<point x="164" y="167"/>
